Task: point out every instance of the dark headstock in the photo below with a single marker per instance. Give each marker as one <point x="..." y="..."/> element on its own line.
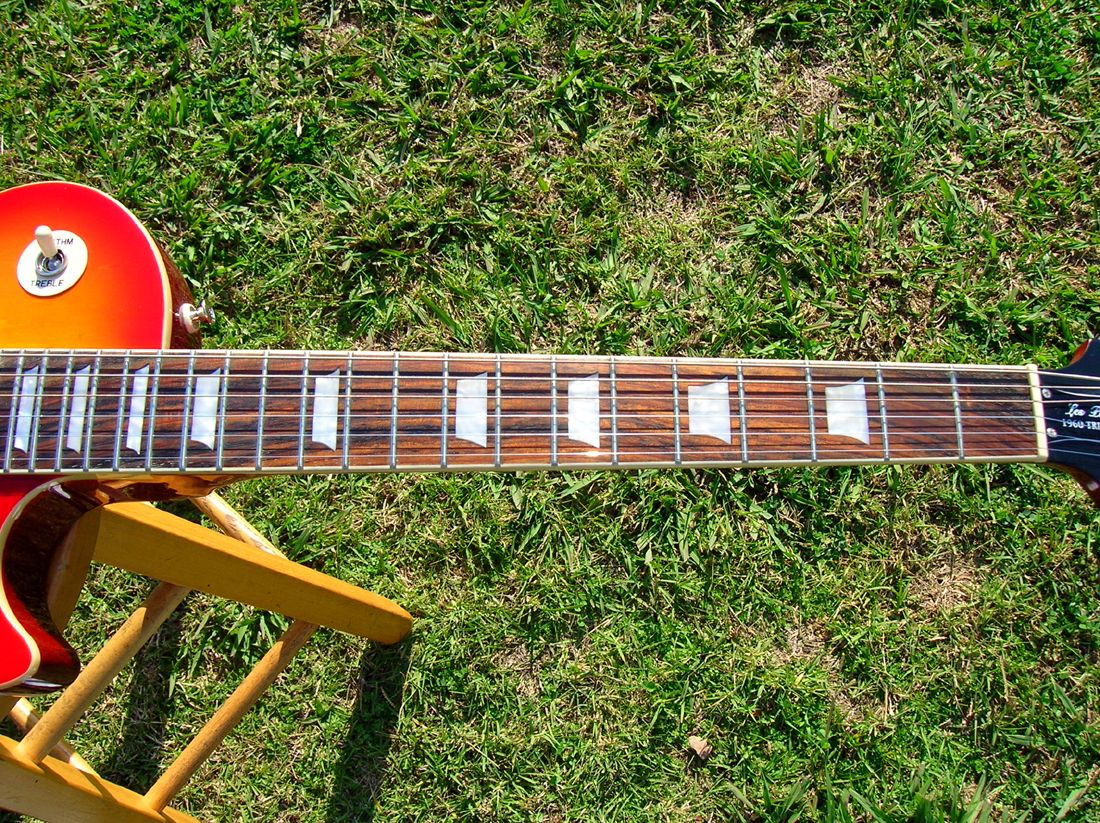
<point x="1071" y="410"/>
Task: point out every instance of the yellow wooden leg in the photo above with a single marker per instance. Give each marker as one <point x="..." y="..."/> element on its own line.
<point x="229" y="715"/>
<point x="145" y="540"/>
<point x="26" y="718"/>
<point x="55" y="791"/>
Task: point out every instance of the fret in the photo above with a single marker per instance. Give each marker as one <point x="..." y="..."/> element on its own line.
<point x="553" y="411"/>
<point x="36" y="414"/>
<point x="30" y="382"/>
<point x="11" y="398"/>
<point x="326" y="408"/>
<point x="525" y="418"/>
<point x="645" y="412"/>
<point x="614" y="413"/>
<point x="239" y="422"/>
<point x="345" y="456"/>
<point x="419" y="444"/>
<point x="810" y="415"/>
<point x="40" y="390"/>
<point x="709" y="410"/>
<point x="302" y="413"/>
<point x="47" y="421"/>
<point x="372" y="425"/>
<point x="840" y="415"/>
<point x="846" y="412"/>
<point x="394" y="412"/>
<point x="88" y="418"/>
<point x="262" y="414"/>
<point x="496" y="423"/>
<point x="62" y="411"/>
<point x="471" y="410"/>
<point x="742" y="415"/>
<point x="921" y="413"/>
<point x="117" y="445"/>
<point x="443" y="414"/>
<point x="139" y="396"/>
<point x="775" y="412"/>
<point x="958" y="412"/>
<point x="13" y="410"/>
<point x="585" y="417"/>
<point x="882" y="415"/>
<point x="150" y="441"/>
<point x="78" y="410"/>
<point x="997" y="413"/>
<point x="187" y="400"/>
<point x="204" y="408"/>
<point x="285" y="397"/>
<point x="587" y="411"/>
<point x="223" y="398"/>
<point x="676" y="410"/>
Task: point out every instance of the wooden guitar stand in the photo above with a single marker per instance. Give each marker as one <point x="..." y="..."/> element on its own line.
<point x="42" y="776"/>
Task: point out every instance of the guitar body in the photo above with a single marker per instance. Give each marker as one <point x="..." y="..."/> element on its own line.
<point x="124" y="299"/>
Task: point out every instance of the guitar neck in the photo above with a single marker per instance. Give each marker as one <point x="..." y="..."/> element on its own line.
<point x="210" y="412"/>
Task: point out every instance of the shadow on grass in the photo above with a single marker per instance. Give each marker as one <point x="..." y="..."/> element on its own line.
<point x="136" y="761"/>
<point x="379" y="691"/>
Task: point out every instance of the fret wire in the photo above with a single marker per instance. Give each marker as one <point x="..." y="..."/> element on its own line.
<point x="188" y="390"/>
<point x="614" y="414"/>
<point x="443" y="415"/>
<point x="90" y="412"/>
<point x="223" y="404"/>
<point x="958" y="413"/>
<point x="393" y="414"/>
<point x="36" y="414"/>
<point x="810" y="408"/>
<point x="260" y="417"/>
<point x="742" y="415"/>
<point x="553" y="411"/>
<point x="345" y="458"/>
<point x="302" y="413"/>
<point x="66" y="389"/>
<point x="882" y="414"/>
<point x="121" y="411"/>
<point x="496" y="424"/>
<point x="676" y="407"/>
<point x="16" y="391"/>
<point x="150" y="442"/>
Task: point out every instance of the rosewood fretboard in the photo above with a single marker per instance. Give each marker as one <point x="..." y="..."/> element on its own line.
<point x="247" y="411"/>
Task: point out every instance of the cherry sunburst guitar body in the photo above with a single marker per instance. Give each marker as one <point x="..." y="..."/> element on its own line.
<point x="104" y="397"/>
<point x="123" y="299"/>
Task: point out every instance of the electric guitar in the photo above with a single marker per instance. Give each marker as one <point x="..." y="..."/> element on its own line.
<point x="103" y="397"/>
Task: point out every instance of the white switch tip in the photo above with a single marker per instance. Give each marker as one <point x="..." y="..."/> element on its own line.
<point x="46" y="241"/>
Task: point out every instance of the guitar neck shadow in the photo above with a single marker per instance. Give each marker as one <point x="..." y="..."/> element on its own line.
<point x="359" y="773"/>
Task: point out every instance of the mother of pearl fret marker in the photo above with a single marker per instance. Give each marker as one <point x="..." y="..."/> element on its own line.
<point x="145" y="415"/>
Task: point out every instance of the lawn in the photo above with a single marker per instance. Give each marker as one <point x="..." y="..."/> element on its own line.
<point x="833" y="179"/>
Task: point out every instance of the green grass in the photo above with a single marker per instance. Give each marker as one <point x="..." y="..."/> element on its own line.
<point x="890" y="180"/>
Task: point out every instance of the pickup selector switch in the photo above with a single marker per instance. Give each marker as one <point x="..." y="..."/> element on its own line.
<point x="52" y="263"/>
